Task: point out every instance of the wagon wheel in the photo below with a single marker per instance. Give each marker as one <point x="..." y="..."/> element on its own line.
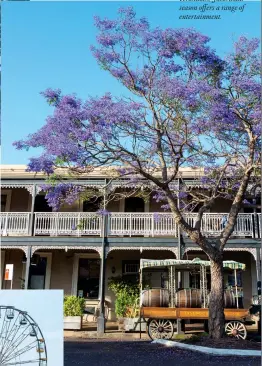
<point x="236" y="329"/>
<point x="160" y="329"/>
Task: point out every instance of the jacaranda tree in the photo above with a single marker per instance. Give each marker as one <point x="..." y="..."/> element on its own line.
<point x="184" y="107"/>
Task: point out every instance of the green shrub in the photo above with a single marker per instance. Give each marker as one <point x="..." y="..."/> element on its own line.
<point x="74" y="306"/>
<point x="127" y="297"/>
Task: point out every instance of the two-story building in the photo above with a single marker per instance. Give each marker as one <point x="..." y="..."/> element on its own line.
<point x="65" y="249"/>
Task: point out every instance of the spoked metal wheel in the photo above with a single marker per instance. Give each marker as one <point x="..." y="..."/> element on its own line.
<point x="236" y="329"/>
<point x="21" y="340"/>
<point x="160" y="329"/>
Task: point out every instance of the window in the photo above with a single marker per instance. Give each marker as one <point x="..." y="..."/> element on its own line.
<point x="88" y="278"/>
<point x="130" y="268"/>
<point x="231" y="280"/>
<point x="5" y="200"/>
<point x="194" y="280"/>
<point x="130" y="271"/>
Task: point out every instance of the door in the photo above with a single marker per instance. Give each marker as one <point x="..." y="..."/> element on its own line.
<point x="5" y="200"/>
<point x="41" y="204"/>
<point x="88" y="278"/>
<point x="92" y="205"/>
<point x="135" y="224"/>
<point x="37" y="273"/>
<point x="40" y="271"/>
<point x="134" y="204"/>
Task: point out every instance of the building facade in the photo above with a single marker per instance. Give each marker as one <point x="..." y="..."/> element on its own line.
<point x="79" y="250"/>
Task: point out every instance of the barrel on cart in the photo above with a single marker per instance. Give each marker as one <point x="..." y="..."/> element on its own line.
<point x="191" y="298"/>
<point x="185" y="298"/>
<point x="229" y="299"/>
<point x="188" y="298"/>
<point x="158" y="297"/>
<point x="189" y="304"/>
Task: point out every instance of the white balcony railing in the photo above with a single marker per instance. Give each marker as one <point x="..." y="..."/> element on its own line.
<point x="163" y="224"/>
<point x="213" y="223"/>
<point x="122" y="224"/>
<point x="148" y="224"/>
<point x="67" y="223"/>
<point x="14" y="223"/>
<point x="259" y="216"/>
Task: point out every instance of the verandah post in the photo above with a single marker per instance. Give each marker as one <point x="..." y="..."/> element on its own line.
<point x="31" y="226"/>
<point x="179" y="328"/>
<point x="101" y="316"/>
<point x="27" y="268"/>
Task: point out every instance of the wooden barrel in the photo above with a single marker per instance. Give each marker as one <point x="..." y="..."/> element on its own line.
<point x="188" y="298"/>
<point x="229" y="299"/>
<point x="158" y="297"/>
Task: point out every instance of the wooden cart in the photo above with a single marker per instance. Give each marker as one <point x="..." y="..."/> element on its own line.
<point x="160" y="320"/>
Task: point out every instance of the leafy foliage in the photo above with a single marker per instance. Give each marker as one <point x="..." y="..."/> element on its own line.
<point x="74" y="306"/>
<point x="127" y="295"/>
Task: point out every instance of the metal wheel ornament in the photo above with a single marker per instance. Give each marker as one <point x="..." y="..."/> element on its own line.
<point x="160" y="329"/>
<point x="236" y="329"/>
<point x="21" y="339"/>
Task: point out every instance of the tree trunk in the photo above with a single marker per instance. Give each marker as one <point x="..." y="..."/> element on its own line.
<point x="216" y="321"/>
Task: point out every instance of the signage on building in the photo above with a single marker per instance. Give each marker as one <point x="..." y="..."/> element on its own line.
<point x="9" y="271"/>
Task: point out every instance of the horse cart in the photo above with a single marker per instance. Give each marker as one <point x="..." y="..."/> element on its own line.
<point x="162" y="307"/>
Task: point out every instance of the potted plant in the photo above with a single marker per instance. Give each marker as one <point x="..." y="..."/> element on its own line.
<point x="73" y="311"/>
<point x="126" y="303"/>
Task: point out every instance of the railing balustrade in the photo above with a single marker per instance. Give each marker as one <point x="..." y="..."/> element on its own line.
<point x="135" y="224"/>
<point x="259" y="218"/>
<point x="67" y="223"/>
<point x="14" y="223"/>
<point x="212" y="224"/>
<point x="123" y="224"/>
<point x="163" y="224"/>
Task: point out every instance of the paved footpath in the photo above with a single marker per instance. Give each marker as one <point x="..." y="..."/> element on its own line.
<point x="113" y="352"/>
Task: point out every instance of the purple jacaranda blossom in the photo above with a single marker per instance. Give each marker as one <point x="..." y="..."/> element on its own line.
<point x="184" y="105"/>
<point x="182" y="195"/>
<point x="44" y="163"/>
<point x="103" y="212"/>
<point x="52" y="96"/>
<point x="166" y="207"/>
<point x="62" y="193"/>
<point x="157" y="217"/>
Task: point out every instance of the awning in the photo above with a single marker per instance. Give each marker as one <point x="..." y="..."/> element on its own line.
<point x="184" y="264"/>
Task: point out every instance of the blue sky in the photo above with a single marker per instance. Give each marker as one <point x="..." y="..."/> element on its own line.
<point x="46" y="308"/>
<point x="46" y="44"/>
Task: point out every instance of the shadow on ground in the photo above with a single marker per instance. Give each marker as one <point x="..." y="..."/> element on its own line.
<point x="108" y="352"/>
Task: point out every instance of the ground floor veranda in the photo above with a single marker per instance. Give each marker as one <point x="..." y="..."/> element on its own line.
<point x="77" y="270"/>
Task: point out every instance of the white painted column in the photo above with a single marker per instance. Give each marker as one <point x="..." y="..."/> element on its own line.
<point x="28" y="262"/>
<point x="75" y="274"/>
<point x="31" y="232"/>
<point x="254" y="277"/>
